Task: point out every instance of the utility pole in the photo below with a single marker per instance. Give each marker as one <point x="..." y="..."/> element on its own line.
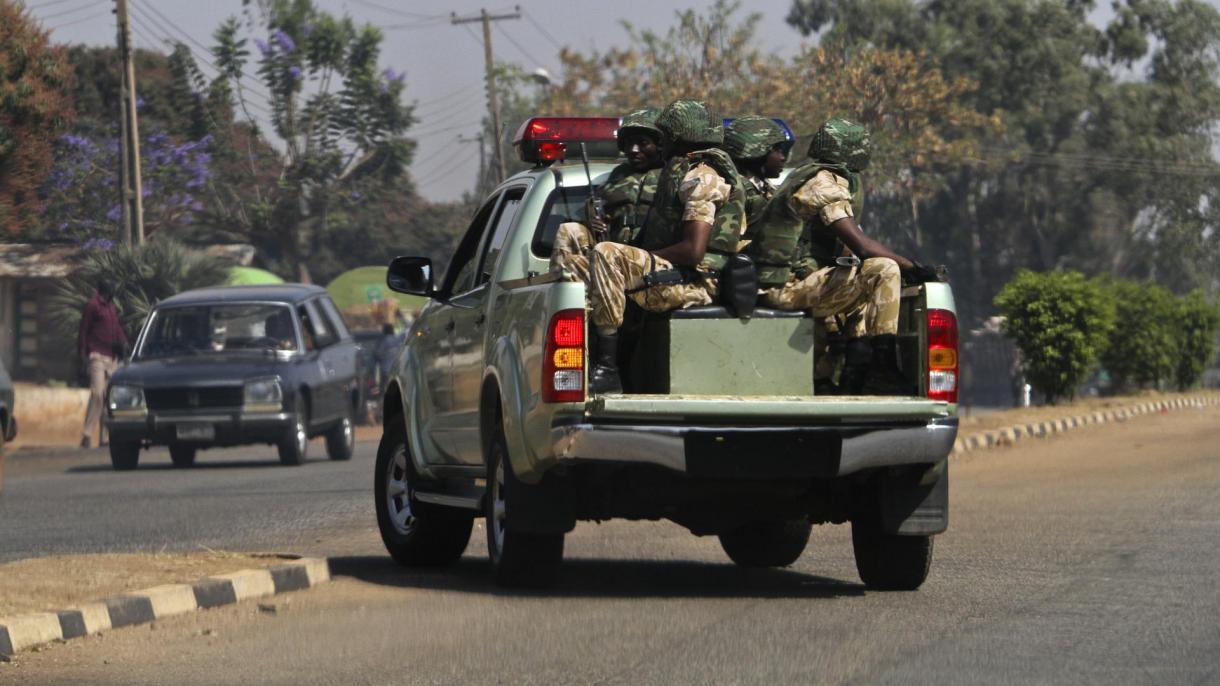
<point x="478" y="138"/>
<point x="131" y="188"/>
<point x="493" y="104"/>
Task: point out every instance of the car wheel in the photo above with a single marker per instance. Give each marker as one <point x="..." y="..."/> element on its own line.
<point x="3" y="450"/>
<point x="888" y="562"/>
<point x="124" y="456"/>
<point x="295" y="444"/>
<point x="518" y="559"/>
<point x="341" y="440"/>
<point x="183" y="455"/>
<point x="414" y="537"/>
<point x="767" y="544"/>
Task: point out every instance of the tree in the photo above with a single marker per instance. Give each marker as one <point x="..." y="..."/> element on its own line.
<point x="34" y="108"/>
<point x="1061" y="323"/>
<point x="82" y="190"/>
<point x="338" y="118"/>
<point x="1144" y="352"/>
<point x="1195" y="325"/>
<point x="142" y="276"/>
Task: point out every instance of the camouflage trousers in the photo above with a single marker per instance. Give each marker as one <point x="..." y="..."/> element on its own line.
<point x="875" y="288"/>
<point x="570" y="251"/>
<point x="610" y="270"/>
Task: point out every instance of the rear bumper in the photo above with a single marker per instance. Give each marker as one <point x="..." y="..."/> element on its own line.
<point x="228" y="428"/>
<point x="759" y="452"/>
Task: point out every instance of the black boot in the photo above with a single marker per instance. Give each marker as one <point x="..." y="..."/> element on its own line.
<point x="884" y="377"/>
<point x="603" y="373"/>
<point x="857" y="357"/>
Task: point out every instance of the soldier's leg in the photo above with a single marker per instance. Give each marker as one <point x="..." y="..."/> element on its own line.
<point x="570" y="250"/>
<point x="882" y="282"/>
<point x="617" y="269"/>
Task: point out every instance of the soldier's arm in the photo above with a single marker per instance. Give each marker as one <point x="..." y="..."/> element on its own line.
<point x="825" y="196"/>
<point x="702" y="192"/>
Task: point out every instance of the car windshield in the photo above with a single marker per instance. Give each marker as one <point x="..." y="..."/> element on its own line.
<point x="211" y="329"/>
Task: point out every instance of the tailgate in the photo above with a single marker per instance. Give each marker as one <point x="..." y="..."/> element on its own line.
<point x="767" y="409"/>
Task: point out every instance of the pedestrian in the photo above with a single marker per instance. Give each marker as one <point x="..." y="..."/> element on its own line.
<point x="101" y="343"/>
<point x="387" y="351"/>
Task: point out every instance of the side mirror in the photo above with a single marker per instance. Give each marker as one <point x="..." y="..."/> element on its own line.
<point x="410" y="275"/>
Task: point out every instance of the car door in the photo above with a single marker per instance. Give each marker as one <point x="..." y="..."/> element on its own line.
<point x="469" y="333"/>
<point x="438" y="330"/>
<point x="340" y="357"/>
<point x="317" y="336"/>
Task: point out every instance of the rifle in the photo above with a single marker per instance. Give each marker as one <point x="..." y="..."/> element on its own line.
<point x="595" y="207"/>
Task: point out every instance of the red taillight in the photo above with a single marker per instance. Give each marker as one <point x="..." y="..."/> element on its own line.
<point x="551" y="152"/>
<point x="563" y="363"/>
<point x="942" y="356"/>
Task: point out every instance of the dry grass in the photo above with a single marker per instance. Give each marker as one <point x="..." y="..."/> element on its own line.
<point x="62" y="581"/>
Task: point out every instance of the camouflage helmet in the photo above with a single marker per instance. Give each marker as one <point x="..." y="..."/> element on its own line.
<point x="749" y="137"/>
<point x="639" y="120"/>
<point x="691" y="123"/>
<point x="841" y="141"/>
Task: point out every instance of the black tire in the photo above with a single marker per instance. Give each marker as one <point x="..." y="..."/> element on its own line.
<point x="887" y="562"/>
<point x="3" y="451"/>
<point x="414" y="537"/>
<point x="124" y="456"/>
<point x="294" y="446"/>
<point x="518" y="559"/>
<point x="767" y="544"/>
<point x="183" y="455"/>
<point x="341" y="440"/>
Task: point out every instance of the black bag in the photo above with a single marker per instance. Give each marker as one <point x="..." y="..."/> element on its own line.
<point x="738" y="287"/>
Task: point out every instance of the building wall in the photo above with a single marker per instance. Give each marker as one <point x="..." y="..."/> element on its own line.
<point x="39" y="352"/>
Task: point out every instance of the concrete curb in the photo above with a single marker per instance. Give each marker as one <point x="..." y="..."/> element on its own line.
<point x="140" y="607"/>
<point x="1012" y="434"/>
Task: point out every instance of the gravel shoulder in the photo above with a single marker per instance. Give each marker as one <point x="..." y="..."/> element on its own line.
<point x="974" y="423"/>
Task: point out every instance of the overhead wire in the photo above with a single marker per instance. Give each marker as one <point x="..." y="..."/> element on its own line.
<point x="64" y="13"/>
<point x="398" y="12"/>
<point x="44" y="5"/>
<point x="81" y="20"/>
<point x="541" y="30"/>
<point x="525" y="53"/>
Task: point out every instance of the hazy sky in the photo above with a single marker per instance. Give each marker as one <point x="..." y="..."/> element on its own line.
<point x="443" y="62"/>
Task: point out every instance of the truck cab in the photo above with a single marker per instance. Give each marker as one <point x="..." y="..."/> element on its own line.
<point x="719" y="428"/>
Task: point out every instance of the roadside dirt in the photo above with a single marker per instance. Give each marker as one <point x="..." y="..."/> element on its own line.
<point x="63" y="581"/>
<point x="974" y="423"/>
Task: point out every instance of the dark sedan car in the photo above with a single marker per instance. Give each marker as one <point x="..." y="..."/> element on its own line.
<point x="234" y="366"/>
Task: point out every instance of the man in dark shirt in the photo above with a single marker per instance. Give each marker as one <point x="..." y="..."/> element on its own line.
<point x="100" y="345"/>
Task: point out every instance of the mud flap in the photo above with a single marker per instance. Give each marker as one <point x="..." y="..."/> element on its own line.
<point x="542" y="508"/>
<point x="915" y="502"/>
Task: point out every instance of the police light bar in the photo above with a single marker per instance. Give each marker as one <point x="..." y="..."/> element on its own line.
<point x="543" y="140"/>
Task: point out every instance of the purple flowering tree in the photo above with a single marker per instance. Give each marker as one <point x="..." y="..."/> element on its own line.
<point x="82" y="190"/>
<point x="338" y="117"/>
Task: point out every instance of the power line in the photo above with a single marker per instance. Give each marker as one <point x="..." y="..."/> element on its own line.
<point x="542" y="30"/>
<point x="398" y="12"/>
<point x="66" y="12"/>
<point x="44" y="5"/>
<point x="525" y="53"/>
<point x="82" y="20"/>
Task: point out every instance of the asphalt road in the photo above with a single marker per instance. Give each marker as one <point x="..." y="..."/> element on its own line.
<point x="1087" y="558"/>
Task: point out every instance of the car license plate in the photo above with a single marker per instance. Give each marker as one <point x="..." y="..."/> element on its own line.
<point x="196" y="432"/>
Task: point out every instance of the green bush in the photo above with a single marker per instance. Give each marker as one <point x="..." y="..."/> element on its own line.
<point x="1061" y="323"/>
<point x="1195" y="327"/>
<point x="142" y="276"/>
<point x="1144" y="351"/>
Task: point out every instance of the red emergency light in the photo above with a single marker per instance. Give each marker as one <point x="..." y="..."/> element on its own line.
<point x="543" y="140"/>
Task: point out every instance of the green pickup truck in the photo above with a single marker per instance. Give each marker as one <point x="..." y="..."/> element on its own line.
<point x="719" y="430"/>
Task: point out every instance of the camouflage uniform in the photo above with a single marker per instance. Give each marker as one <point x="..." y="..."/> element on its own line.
<point x="749" y="138"/>
<point x="700" y="186"/>
<point x="824" y="197"/>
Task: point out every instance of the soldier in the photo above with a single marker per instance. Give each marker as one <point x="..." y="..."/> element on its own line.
<point x="817" y="198"/>
<point x="695" y="224"/>
<point x="626" y="196"/>
<point x="759" y="148"/>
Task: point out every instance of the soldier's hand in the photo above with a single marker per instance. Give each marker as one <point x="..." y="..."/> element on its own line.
<point x="598" y="226"/>
<point x="921" y="273"/>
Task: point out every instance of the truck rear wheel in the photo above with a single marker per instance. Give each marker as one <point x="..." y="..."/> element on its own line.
<point x="519" y="559"/>
<point x="413" y="537"/>
<point x="124" y="456"/>
<point x="767" y="544"/>
<point x="888" y="562"/>
<point x="182" y="454"/>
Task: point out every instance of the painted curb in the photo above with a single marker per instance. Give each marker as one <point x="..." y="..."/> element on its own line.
<point x="1010" y="435"/>
<point x="140" y="607"/>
